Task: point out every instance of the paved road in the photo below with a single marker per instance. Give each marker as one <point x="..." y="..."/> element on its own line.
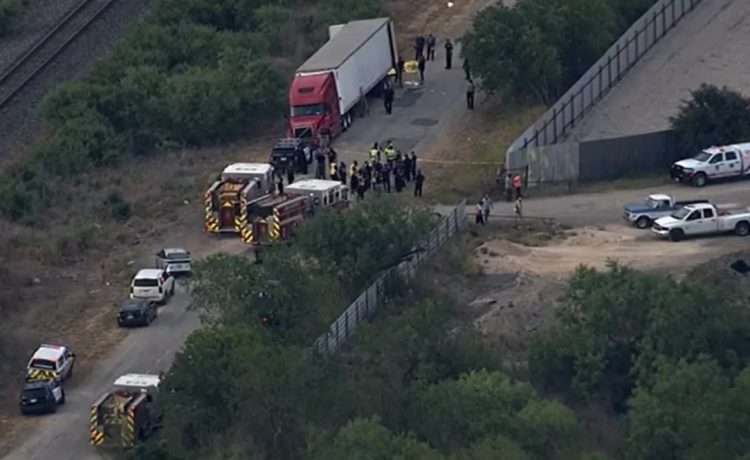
<point x="64" y="435"/>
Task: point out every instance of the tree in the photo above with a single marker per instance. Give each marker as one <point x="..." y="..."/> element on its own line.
<point x="712" y="116"/>
<point x="286" y="291"/>
<point x="368" y="439"/>
<point x="9" y="11"/>
<point x="492" y="448"/>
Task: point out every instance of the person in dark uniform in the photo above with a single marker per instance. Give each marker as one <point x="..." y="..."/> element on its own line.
<point x="421" y="64"/>
<point x="400" y="71"/>
<point x="320" y="170"/>
<point x="342" y="172"/>
<point x="388" y="98"/>
<point x="448" y="53"/>
<point x="418" y="183"/>
<point x="470" y="95"/>
<point x="290" y="175"/>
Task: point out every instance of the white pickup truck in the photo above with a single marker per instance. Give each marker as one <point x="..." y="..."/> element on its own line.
<point x="713" y="163"/>
<point x="703" y="219"/>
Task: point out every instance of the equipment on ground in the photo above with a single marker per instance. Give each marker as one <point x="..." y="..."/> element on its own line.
<point x="355" y="61"/>
<point x="50" y="362"/>
<point x="227" y="200"/>
<point x="127" y="414"/>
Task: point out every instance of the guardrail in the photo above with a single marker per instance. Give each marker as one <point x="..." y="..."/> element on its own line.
<point x="557" y="121"/>
<point x="364" y="307"/>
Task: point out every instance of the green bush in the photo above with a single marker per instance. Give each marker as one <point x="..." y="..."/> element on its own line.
<point x="712" y="116"/>
<point x="9" y="10"/>
<point x="119" y="208"/>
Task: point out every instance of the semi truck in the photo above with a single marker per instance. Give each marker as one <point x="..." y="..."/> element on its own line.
<point x="721" y="162"/>
<point x="353" y="62"/>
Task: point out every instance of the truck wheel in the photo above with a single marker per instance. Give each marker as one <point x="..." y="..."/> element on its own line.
<point x="643" y="222"/>
<point x="742" y="229"/>
<point x="676" y="235"/>
<point x="700" y="180"/>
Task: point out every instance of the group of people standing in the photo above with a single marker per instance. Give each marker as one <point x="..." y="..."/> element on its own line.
<point x="513" y="186"/>
<point x="386" y="169"/>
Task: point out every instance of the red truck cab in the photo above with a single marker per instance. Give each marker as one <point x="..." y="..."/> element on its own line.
<point x="314" y="106"/>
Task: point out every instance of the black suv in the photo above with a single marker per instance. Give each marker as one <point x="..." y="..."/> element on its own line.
<point x="291" y="153"/>
<point x="136" y="312"/>
<point x="41" y="397"/>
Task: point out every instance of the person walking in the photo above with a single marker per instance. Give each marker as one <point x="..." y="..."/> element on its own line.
<point x="517" y="185"/>
<point x="470" y="95"/>
<point x="280" y="185"/>
<point x="419" y="47"/>
<point x="289" y="175"/>
<point x="421" y="63"/>
<point x="400" y="71"/>
<point x="431" y="42"/>
<point x="418" y="183"/>
<point x="518" y="208"/>
<point x="388" y="96"/>
<point x="342" y="172"/>
<point x="467" y="69"/>
<point x="448" y="53"/>
<point x="413" y="163"/>
<point x="320" y="159"/>
<point x="486" y="207"/>
<point x="479" y="214"/>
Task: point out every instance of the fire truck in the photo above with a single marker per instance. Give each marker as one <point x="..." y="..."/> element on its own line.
<point x="229" y="197"/>
<point x="127" y="414"/>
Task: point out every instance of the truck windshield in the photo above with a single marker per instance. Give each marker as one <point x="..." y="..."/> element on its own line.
<point x="702" y="157"/>
<point x="651" y="203"/>
<point x="680" y="213"/>
<point x="43" y="364"/>
<point x="308" y="110"/>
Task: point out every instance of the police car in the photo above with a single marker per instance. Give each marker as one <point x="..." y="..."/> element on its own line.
<point x="50" y="362"/>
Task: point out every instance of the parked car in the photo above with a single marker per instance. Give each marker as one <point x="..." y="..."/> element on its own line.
<point x="713" y="163"/>
<point x="643" y="213"/>
<point x="176" y="261"/>
<point x="50" y="362"/>
<point x="152" y="284"/>
<point x="41" y="397"/>
<point x="136" y="312"/>
<point x="703" y="219"/>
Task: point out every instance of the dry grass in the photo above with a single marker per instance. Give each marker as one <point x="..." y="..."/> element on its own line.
<point x="463" y="161"/>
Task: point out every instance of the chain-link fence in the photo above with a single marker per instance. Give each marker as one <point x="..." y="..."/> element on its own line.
<point x="365" y="306"/>
<point x="562" y="117"/>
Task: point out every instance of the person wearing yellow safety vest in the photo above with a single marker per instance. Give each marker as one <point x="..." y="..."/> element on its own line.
<point x="390" y="152"/>
<point x="375" y="152"/>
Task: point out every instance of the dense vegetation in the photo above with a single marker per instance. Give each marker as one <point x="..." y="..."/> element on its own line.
<point x="712" y="116"/>
<point x="9" y="11"/>
<point x="538" y="48"/>
<point x="197" y="72"/>
<point x="672" y="356"/>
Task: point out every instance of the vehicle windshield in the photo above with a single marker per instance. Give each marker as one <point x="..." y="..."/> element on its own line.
<point x="308" y="110"/>
<point x="651" y="203"/>
<point x="38" y="393"/>
<point x="178" y="255"/>
<point x="43" y="364"/>
<point x="702" y="157"/>
<point x="681" y="213"/>
<point x="145" y="282"/>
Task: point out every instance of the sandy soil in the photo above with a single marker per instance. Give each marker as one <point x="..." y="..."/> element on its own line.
<point x="510" y="314"/>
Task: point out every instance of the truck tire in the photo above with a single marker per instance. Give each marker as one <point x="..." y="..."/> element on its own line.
<point x="742" y="229"/>
<point x="676" y="235"/>
<point x="700" y="179"/>
<point x="643" y="222"/>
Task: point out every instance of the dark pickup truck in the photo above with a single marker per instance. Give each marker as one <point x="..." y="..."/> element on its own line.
<point x="644" y="213"/>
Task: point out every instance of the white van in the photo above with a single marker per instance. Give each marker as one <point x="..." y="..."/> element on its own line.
<point x="152" y="284"/>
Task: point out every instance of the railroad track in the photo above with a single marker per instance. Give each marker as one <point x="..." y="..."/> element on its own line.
<point x="43" y="52"/>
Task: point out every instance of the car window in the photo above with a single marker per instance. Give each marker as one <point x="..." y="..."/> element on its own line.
<point x="43" y="364"/>
<point x="708" y="213"/>
<point x="731" y="156"/>
<point x="717" y="158"/>
<point x="695" y="215"/>
<point x="145" y="282"/>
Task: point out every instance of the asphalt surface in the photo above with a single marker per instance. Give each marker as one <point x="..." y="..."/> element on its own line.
<point x="64" y="435"/>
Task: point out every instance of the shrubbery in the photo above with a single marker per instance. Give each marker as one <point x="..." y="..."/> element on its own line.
<point x="538" y="48"/>
<point x="9" y="10"/>
<point x="197" y="72"/>
<point x="712" y="116"/>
